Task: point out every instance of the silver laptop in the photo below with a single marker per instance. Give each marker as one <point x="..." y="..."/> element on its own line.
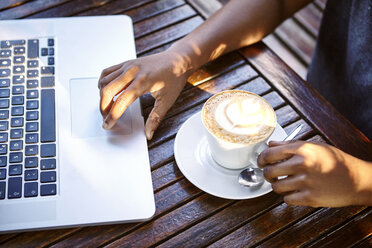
<point x="58" y="167"/>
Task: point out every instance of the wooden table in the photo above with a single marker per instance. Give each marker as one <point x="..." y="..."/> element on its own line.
<point x="186" y="216"/>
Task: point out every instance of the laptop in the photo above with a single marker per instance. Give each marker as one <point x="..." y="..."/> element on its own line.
<point x="58" y="167"/>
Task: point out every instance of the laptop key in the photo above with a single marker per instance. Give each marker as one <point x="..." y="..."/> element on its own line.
<point x="17" y="42"/>
<point x="31" y="189"/>
<point x="3" y="137"/>
<point x="31" y="162"/>
<point x="3" y="160"/>
<point x="32" y="63"/>
<point x="48" y="164"/>
<point x="4" y="114"/>
<point x="32" y="94"/>
<point x="32" y="73"/>
<point x="48" y="150"/>
<point x="18" y="100"/>
<point x="32" y="127"/>
<point x="5" y="53"/>
<point x="48" y="189"/>
<point x="51" y="51"/>
<point x="16" y="122"/>
<point x="3" y="149"/>
<point x="32" y="104"/>
<point x="5" y="82"/>
<point x="44" y="51"/>
<point x="5" y="44"/>
<point x="16" y="133"/>
<point x="18" y="79"/>
<point x="2" y="174"/>
<point x="16" y="145"/>
<point x="48" y="176"/>
<point x="32" y="115"/>
<point x="4" y="72"/>
<point x="47" y="81"/>
<point x="32" y="83"/>
<point x="18" y="69"/>
<point x="19" y="50"/>
<point x="31" y="150"/>
<point x="14" y="187"/>
<point x="17" y="111"/>
<point x="47" y="116"/>
<point x="4" y="93"/>
<point x="31" y="175"/>
<point x="15" y="157"/>
<point x="19" y="59"/>
<point x="17" y="90"/>
<point x="33" y="48"/>
<point x="4" y="62"/>
<point x="47" y="70"/>
<point x="4" y="125"/>
<point x="50" y="42"/>
<point x="32" y="138"/>
<point x="51" y="61"/>
<point x="2" y="190"/>
<point x="4" y="103"/>
<point x="15" y="170"/>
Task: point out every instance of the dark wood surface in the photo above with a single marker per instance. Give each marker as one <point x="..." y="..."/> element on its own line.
<point x="186" y="216"/>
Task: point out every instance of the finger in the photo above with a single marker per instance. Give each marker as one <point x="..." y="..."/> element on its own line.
<point x="299" y="198"/>
<point x="288" y="167"/>
<point x="108" y="78"/>
<point x="109" y="70"/>
<point x="119" y="106"/>
<point x="157" y="114"/>
<point x="114" y="88"/>
<point x="274" y="143"/>
<point x="289" y="184"/>
<point x="277" y="153"/>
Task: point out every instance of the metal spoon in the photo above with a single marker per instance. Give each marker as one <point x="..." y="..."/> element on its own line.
<point x="252" y="177"/>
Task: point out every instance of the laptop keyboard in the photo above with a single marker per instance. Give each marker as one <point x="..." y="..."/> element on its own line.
<point x="27" y="119"/>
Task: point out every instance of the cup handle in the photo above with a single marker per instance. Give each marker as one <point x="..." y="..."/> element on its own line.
<point x="257" y="152"/>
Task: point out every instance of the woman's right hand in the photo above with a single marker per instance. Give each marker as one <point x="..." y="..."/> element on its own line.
<point x="163" y="75"/>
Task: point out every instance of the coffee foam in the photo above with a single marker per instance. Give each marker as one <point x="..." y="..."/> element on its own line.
<point x="239" y="117"/>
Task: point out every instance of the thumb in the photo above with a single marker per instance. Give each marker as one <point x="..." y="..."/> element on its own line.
<point x="274" y="143"/>
<point x="156" y="116"/>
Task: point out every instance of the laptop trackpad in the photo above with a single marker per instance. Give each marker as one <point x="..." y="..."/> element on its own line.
<point x="85" y="115"/>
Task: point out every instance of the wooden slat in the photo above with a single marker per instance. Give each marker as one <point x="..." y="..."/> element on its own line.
<point x="311" y="227"/>
<point x="163" y="20"/>
<point x="11" y="3"/>
<point x="297" y="40"/>
<point x="286" y="55"/>
<point x="161" y="154"/>
<point x="205" y="8"/>
<point x="29" y="8"/>
<point x="115" y="7"/>
<point x="216" y="226"/>
<point x="152" y="9"/>
<point x="321" y="4"/>
<point x="310" y="18"/>
<point x="367" y="243"/>
<point x="166" y="175"/>
<point x="167" y="199"/>
<point x="311" y="104"/>
<point x="76" y="7"/>
<point x="264" y="226"/>
<point x="166" y="35"/>
<point x="173" y="222"/>
<point x="348" y="235"/>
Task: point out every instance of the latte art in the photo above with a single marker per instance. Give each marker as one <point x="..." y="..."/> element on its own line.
<point x="239" y="117"/>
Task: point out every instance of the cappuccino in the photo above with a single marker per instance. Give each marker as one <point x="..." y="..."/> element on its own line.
<point x="238" y="116"/>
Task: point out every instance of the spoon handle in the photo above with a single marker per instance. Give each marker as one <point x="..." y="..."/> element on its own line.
<point x="294" y="133"/>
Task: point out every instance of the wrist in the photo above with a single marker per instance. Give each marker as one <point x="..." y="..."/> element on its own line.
<point x="364" y="189"/>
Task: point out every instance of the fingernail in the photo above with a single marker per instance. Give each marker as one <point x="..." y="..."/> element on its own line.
<point x="149" y="135"/>
<point x="105" y="125"/>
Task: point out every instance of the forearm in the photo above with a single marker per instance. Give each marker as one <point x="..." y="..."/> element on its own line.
<point x="239" y="23"/>
<point x="364" y="188"/>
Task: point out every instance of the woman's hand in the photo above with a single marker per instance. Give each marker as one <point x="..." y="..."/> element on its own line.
<point x="163" y="74"/>
<point x="318" y="175"/>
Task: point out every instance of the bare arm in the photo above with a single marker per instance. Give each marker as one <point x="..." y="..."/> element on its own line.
<point x="239" y="23"/>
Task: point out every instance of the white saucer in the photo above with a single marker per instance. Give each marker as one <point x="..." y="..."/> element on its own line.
<point x="191" y="151"/>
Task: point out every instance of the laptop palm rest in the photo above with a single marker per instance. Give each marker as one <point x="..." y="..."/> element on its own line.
<point x="85" y="113"/>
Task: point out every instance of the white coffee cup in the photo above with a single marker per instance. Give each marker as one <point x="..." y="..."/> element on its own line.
<point x="238" y="124"/>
